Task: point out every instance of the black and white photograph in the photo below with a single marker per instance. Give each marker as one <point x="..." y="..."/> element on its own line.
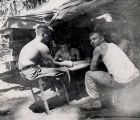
<point x="69" y="60"/>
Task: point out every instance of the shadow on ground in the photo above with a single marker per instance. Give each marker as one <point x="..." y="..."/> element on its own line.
<point x="76" y="91"/>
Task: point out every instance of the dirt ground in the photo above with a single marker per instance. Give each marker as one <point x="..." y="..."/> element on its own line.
<point x="16" y="100"/>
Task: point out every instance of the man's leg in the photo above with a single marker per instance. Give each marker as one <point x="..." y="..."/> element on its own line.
<point x="104" y="78"/>
<point x="93" y="77"/>
<point x="62" y="73"/>
<point x="56" y="72"/>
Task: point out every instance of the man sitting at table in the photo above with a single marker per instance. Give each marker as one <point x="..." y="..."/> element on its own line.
<point x="121" y="70"/>
<point x="64" y="53"/>
<point x="75" y="54"/>
<point x="35" y="59"/>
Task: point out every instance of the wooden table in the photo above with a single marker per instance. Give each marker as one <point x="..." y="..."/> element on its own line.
<point x="78" y="65"/>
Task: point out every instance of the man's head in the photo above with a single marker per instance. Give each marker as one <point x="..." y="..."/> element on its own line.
<point x="43" y="31"/>
<point x="96" y="38"/>
<point x="64" y="47"/>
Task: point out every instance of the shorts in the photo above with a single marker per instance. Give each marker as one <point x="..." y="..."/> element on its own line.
<point x="35" y="72"/>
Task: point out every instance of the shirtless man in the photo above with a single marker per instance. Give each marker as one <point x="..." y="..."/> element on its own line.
<point x="37" y="52"/>
<point x="64" y="53"/>
<point x="75" y="54"/>
<point x="120" y="69"/>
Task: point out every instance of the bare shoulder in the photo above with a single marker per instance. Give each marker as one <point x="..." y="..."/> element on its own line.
<point x="28" y="47"/>
<point x="59" y="51"/>
<point x="101" y="49"/>
<point x="42" y="47"/>
<point x="74" y="49"/>
<point x="98" y="49"/>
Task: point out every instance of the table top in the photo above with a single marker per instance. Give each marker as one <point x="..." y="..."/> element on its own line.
<point x="79" y="65"/>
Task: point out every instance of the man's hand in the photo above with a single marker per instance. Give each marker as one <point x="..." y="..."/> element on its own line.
<point x="67" y="63"/>
<point x="60" y="59"/>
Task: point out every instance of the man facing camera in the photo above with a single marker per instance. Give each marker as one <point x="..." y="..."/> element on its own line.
<point x="66" y="53"/>
<point x="121" y="70"/>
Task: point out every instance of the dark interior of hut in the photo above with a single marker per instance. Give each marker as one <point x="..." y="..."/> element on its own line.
<point x="76" y="33"/>
<point x="77" y="37"/>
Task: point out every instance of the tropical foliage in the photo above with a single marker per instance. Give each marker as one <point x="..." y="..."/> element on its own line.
<point x="11" y="8"/>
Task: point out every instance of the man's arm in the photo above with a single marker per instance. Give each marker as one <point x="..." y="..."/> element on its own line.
<point x="94" y="61"/>
<point x="57" y="55"/>
<point x="77" y="55"/>
<point x="44" y="50"/>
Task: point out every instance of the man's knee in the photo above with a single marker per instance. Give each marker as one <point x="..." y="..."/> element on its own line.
<point x="90" y="74"/>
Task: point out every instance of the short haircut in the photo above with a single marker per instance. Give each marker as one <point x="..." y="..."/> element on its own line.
<point x="97" y="30"/>
<point x="41" y="28"/>
<point x="63" y="43"/>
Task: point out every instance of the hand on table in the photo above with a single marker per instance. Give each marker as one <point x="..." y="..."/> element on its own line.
<point x="68" y="63"/>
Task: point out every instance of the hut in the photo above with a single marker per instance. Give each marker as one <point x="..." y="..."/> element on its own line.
<point x="72" y="20"/>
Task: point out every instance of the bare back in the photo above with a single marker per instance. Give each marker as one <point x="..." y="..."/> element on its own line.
<point x="33" y="53"/>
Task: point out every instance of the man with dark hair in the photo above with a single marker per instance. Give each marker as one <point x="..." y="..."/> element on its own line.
<point x="67" y="53"/>
<point x="63" y="53"/>
<point x="37" y="52"/>
<point x="120" y="69"/>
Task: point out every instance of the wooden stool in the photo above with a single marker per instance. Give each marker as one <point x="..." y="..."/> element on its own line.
<point x="41" y="83"/>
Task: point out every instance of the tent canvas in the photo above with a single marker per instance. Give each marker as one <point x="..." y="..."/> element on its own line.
<point x="79" y="13"/>
<point x="65" y="12"/>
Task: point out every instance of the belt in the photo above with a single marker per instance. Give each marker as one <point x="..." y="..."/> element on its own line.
<point x="27" y="67"/>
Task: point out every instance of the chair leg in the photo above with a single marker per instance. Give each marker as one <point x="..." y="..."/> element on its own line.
<point x="43" y="97"/>
<point x="34" y="95"/>
<point x="66" y="94"/>
<point x="65" y="90"/>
